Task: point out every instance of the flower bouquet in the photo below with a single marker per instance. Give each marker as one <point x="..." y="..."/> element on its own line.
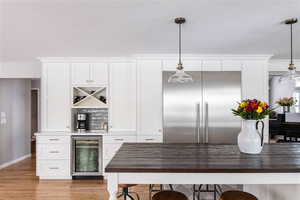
<point x="286" y="103"/>
<point x="252" y="109"/>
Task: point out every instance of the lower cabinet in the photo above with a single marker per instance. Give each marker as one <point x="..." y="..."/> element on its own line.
<point x="54" y="152"/>
<point x="53" y="159"/>
<point x="111" y="144"/>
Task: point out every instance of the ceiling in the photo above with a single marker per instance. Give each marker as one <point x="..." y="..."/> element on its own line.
<point x="34" y="28"/>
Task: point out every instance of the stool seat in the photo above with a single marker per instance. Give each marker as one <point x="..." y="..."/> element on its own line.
<point x="127" y="185"/>
<point x="169" y="195"/>
<point x="237" y="195"/>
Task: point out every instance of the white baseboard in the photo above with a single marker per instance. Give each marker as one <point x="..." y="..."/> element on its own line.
<point x="14" y="161"/>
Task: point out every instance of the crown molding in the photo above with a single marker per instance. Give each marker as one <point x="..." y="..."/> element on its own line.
<point x="240" y="57"/>
<point x="133" y="58"/>
<point x="281" y="64"/>
<point x="85" y="59"/>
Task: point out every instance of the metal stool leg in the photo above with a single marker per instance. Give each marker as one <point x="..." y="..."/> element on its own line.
<point x="199" y="191"/>
<point x="215" y="192"/>
<point x="130" y="197"/>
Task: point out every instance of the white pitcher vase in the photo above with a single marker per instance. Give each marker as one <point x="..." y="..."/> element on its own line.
<point x="250" y="140"/>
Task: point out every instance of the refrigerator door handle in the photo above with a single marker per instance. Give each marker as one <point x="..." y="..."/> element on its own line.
<point x="197" y="122"/>
<point x="206" y="123"/>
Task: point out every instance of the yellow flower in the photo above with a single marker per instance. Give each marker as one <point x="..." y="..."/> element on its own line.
<point x="259" y="109"/>
<point x="243" y="105"/>
<point x="262" y="104"/>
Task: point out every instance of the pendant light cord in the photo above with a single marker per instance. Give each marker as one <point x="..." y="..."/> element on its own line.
<point x="179" y="44"/>
<point x="292" y="44"/>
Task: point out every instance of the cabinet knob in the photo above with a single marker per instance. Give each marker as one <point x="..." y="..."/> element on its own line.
<point x="159" y="130"/>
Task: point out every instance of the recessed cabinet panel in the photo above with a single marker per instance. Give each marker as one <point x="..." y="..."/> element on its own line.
<point x="81" y="73"/>
<point x="122" y="107"/>
<point x="99" y="73"/>
<point x="149" y="98"/>
<point x="56" y="95"/>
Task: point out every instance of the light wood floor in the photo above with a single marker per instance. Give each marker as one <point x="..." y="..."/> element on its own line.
<point x="18" y="182"/>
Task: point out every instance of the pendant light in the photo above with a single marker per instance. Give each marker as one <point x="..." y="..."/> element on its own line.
<point x="291" y="75"/>
<point x="180" y="75"/>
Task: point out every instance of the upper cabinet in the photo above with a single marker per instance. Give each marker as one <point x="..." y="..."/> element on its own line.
<point x="149" y="101"/>
<point x="122" y="92"/>
<point x="56" y="97"/>
<point x="89" y="73"/>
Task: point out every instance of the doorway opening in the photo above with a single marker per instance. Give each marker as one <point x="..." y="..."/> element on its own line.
<point x="34" y="117"/>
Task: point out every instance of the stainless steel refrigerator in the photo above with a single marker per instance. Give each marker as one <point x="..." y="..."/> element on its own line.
<point x="200" y="112"/>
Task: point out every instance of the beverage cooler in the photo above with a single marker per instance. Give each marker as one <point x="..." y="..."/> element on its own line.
<point x="87" y="156"/>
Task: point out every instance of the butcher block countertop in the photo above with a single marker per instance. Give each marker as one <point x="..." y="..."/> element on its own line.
<point x="203" y="158"/>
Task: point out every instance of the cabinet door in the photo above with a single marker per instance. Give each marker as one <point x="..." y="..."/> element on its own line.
<point x="81" y="73"/>
<point x="122" y="98"/>
<point x="56" y="97"/>
<point x="99" y="73"/>
<point x="149" y="98"/>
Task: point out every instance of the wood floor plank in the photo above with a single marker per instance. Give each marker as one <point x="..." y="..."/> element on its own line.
<point x="19" y="182"/>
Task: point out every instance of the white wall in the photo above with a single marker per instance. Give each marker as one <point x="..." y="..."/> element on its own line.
<point x="20" y="69"/>
<point x="15" y="133"/>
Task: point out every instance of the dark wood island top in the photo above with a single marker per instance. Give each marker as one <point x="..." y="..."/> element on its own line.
<point x="202" y="158"/>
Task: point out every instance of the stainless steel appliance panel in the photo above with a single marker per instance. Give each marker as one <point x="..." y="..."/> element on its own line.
<point x="221" y="92"/>
<point x="182" y="104"/>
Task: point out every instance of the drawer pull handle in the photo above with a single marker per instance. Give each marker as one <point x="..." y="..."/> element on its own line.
<point x="56" y="139"/>
<point x="54" y="151"/>
<point x="119" y="139"/>
<point x="53" y="168"/>
<point x="150" y="139"/>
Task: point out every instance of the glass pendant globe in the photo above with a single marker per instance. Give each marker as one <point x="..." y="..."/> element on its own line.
<point x="180" y="76"/>
<point x="291" y="75"/>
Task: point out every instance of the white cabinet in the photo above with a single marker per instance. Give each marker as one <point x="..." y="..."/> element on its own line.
<point x="89" y="73"/>
<point x="122" y="107"/>
<point x="149" y="101"/>
<point x="53" y="158"/>
<point x="56" y="97"/>
<point x="111" y="144"/>
<point x="99" y="73"/>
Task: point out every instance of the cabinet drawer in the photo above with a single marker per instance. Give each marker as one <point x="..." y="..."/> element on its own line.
<point x="53" y="139"/>
<point x="109" y="150"/>
<point x="53" y="151"/>
<point x="118" y="139"/>
<point x="150" y="139"/>
<point x="54" y="168"/>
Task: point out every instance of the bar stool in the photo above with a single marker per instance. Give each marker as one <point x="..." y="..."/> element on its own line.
<point x="125" y="191"/>
<point x="216" y="190"/>
<point x="152" y="189"/>
<point x="237" y="195"/>
<point x="169" y="195"/>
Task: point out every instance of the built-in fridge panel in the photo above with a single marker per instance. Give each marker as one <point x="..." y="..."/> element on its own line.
<point x="200" y="112"/>
<point x="181" y="104"/>
<point x="221" y="92"/>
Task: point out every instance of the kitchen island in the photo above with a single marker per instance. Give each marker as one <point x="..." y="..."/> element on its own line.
<point x="203" y="164"/>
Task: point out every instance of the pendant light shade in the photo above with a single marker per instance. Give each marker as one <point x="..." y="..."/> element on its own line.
<point x="180" y="75"/>
<point x="292" y="74"/>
